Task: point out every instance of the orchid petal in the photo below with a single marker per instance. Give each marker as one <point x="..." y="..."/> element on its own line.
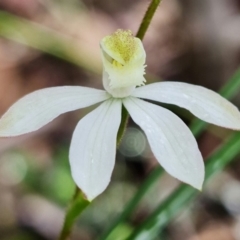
<point x="170" y="139"/>
<point x="202" y="102"/>
<point x="93" y="148"/>
<point x="40" y="107"/>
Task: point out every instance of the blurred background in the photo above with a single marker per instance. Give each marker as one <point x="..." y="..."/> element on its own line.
<point x="46" y="43"/>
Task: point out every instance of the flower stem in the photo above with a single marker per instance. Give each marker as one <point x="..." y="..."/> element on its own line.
<point x="76" y="206"/>
<point x="147" y="18"/>
<point x="123" y="125"/>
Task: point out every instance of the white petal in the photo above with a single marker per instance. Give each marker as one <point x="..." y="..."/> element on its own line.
<point x="40" y="107"/>
<point x="203" y="103"/>
<point x="93" y="148"/>
<point x="171" y="141"/>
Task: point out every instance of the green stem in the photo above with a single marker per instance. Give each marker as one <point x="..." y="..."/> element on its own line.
<point x="182" y="196"/>
<point x="76" y="206"/>
<point x="123" y="125"/>
<point x="147" y="18"/>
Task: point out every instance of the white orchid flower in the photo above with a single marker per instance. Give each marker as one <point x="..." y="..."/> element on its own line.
<point x="93" y="145"/>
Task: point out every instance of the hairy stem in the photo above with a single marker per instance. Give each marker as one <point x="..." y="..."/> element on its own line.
<point x="147" y="18"/>
<point x="76" y="206"/>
